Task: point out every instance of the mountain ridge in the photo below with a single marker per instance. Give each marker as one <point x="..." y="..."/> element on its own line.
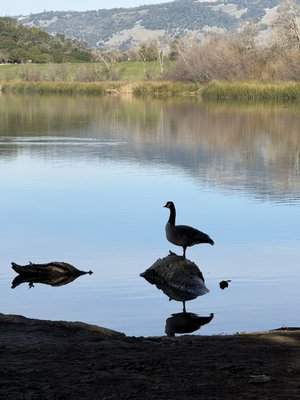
<point x="125" y="27"/>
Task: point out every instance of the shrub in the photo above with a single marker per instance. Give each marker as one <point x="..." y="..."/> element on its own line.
<point x="230" y="57"/>
<point x="29" y="74"/>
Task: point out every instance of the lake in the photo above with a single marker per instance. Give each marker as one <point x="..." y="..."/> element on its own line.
<point x="84" y="180"/>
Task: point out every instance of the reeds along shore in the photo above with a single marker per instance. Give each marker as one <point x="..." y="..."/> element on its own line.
<point x="213" y="91"/>
<point x="138" y="88"/>
<point x="252" y="91"/>
<point x="66" y="88"/>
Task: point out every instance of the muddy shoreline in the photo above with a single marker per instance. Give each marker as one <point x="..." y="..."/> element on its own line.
<point x="64" y="360"/>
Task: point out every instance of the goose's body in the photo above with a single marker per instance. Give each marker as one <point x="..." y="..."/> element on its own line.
<point x="183" y="235"/>
<point x="180" y="279"/>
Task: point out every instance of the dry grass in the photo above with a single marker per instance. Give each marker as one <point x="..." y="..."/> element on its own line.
<point x="280" y="91"/>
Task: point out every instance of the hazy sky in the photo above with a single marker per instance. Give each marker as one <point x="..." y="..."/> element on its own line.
<point x="18" y="7"/>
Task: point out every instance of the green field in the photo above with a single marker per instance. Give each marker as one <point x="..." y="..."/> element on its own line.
<point x="128" y="71"/>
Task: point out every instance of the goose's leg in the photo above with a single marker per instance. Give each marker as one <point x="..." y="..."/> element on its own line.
<point x="184" y="249"/>
<point x="184" y="310"/>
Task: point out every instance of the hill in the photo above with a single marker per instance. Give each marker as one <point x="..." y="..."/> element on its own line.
<point x="122" y="27"/>
<point x="20" y="43"/>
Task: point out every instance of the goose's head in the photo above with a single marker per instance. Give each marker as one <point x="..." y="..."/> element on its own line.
<point x="169" y="204"/>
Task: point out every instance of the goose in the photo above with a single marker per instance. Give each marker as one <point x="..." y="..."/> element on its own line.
<point x="179" y="278"/>
<point x="183" y="235"/>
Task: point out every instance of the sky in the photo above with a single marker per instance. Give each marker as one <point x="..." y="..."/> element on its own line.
<point x="21" y="7"/>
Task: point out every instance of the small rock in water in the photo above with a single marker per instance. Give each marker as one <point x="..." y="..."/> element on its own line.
<point x="224" y="284"/>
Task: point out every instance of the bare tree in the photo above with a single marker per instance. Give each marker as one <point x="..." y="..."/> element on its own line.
<point x="162" y="44"/>
<point x="109" y="60"/>
<point x="287" y="25"/>
<point x="153" y="50"/>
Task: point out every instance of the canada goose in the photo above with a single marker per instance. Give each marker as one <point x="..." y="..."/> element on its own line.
<point x="179" y="278"/>
<point x="183" y="235"/>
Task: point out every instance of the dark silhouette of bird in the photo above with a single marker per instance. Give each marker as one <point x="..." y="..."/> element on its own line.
<point x="179" y="278"/>
<point x="185" y="322"/>
<point x="183" y="235"/>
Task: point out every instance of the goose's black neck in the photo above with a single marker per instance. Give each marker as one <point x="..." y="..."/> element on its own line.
<point x="172" y="217"/>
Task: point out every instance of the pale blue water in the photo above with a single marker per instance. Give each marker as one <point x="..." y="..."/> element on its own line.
<point x="84" y="180"/>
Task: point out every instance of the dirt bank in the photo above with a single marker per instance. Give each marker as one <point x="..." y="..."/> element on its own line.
<point x="61" y="360"/>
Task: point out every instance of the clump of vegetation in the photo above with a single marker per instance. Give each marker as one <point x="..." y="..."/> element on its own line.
<point x="165" y="88"/>
<point x="251" y="91"/>
<point x="22" y="44"/>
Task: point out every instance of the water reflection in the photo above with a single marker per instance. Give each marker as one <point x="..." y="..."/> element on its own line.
<point x="185" y="322"/>
<point x="48" y="280"/>
<point x="210" y="142"/>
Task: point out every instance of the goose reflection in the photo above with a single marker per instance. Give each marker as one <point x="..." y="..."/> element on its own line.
<point x="179" y="278"/>
<point x="185" y="322"/>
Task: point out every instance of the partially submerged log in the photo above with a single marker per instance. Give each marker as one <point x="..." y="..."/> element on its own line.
<point x="54" y="268"/>
<point x="179" y="278"/>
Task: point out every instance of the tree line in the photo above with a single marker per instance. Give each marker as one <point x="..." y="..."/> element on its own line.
<point x="21" y="44"/>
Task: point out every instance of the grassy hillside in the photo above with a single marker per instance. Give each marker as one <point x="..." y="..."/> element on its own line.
<point x="20" y="43"/>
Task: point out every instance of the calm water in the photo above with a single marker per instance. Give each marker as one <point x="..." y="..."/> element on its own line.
<point x="84" y="180"/>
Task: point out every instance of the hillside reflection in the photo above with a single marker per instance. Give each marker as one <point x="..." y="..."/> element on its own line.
<point x="255" y="148"/>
